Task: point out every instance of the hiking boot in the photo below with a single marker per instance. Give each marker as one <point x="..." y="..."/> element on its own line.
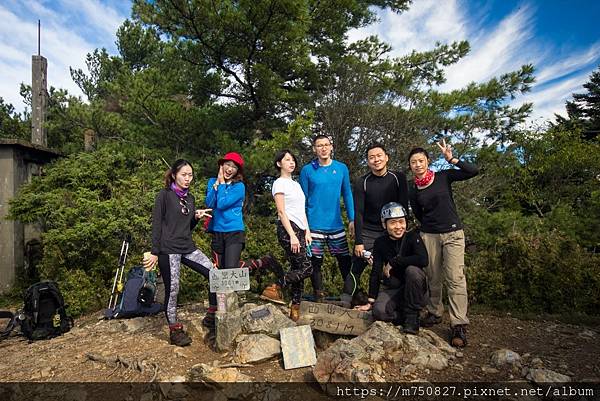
<point x="273" y="294"/>
<point x="209" y="319"/>
<point x="319" y="296"/>
<point x="295" y="312"/>
<point x="430" y="320"/>
<point x="410" y="324"/>
<point x="177" y="336"/>
<point x="458" y="338"/>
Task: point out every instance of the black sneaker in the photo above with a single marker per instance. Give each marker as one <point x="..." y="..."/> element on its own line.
<point x="178" y="337"/>
<point x="430" y="320"/>
<point x="458" y="338"/>
<point x="411" y="324"/>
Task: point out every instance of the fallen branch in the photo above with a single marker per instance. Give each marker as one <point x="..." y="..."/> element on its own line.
<point x="233" y="365"/>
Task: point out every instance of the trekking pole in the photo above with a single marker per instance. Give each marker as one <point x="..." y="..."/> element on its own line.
<point x="117" y="286"/>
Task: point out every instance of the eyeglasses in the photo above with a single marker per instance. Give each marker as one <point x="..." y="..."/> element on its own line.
<point x="184" y="208"/>
<point x="322" y="145"/>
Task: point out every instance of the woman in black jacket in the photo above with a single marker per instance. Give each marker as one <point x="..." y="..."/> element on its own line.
<point x="173" y="218"/>
<point x="442" y="232"/>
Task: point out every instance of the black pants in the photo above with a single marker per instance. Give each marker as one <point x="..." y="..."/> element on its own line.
<point x="344" y="264"/>
<point x="352" y="281"/>
<point x="400" y="297"/>
<point x="300" y="266"/>
<point x="228" y="248"/>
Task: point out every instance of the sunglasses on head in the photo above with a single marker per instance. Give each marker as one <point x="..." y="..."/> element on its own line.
<point x="184" y="208"/>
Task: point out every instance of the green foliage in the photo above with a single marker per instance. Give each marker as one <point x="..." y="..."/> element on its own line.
<point x="262" y="48"/>
<point x="64" y="123"/>
<point x="552" y="175"/>
<point x="546" y="272"/>
<point x="11" y="123"/>
<point x="85" y="203"/>
<point x="584" y="110"/>
<point x="82" y="291"/>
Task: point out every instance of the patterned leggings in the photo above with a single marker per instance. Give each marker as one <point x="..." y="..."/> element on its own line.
<point x="300" y="266"/>
<point x="169" y="266"/>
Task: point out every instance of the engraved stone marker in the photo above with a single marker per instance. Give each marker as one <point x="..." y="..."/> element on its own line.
<point x="334" y="319"/>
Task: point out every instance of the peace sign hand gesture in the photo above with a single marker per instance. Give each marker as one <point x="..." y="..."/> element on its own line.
<point x="200" y="213"/>
<point x="446" y="150"/>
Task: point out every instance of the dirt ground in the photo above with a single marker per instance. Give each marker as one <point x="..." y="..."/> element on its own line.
<point x="146" y="355"/>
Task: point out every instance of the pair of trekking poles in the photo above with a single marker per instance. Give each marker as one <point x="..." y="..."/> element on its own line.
<point x="117" y="287"/>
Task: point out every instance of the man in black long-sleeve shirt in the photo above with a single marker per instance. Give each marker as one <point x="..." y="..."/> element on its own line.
<point x="398" y="258"/>
<point x="371" y="192"/>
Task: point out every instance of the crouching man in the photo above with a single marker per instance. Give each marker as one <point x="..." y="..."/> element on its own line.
<point x="397" y="285"/>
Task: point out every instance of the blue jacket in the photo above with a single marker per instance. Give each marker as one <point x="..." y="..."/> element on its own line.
<point x="323" y="186"/>
<point x="226" y="202"/>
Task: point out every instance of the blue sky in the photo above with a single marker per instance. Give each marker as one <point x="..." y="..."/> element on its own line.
<point x="559" y="37"/>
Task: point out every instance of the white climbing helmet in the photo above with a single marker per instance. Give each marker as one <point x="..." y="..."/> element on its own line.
<point x="392" y="210"/>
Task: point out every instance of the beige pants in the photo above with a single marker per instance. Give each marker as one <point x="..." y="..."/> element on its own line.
<point x="447" y="262"/>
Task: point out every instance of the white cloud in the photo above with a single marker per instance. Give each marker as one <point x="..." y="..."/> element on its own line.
<point x="99" y="15"/>
<point x="495" y="49"/>
<point x="574" y="62"/>
<point x="551" y="99"/>
<point x="426" y="22"/>
<point x="496" y="52"/>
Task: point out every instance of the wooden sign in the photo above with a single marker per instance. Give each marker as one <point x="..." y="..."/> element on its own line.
<point x="298" y="347"/>
<point x="229" y="280"/>
<point x="334" y="319"/>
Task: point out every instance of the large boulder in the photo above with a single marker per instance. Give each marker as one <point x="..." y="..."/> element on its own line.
<point x="229" y="325"/>
<point x="265" y="319"/>
<point x="359" y="360"/>
<point x="250" y="319"/>
<point x="255" y="348"/>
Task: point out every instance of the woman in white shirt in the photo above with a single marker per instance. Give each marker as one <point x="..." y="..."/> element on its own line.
<point x="292" y="232"/>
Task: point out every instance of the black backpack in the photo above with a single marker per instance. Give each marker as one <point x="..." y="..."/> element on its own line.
<point x="44" y="312"/>
<point x="138" y="297"/>
<point x="43" y="315"/>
